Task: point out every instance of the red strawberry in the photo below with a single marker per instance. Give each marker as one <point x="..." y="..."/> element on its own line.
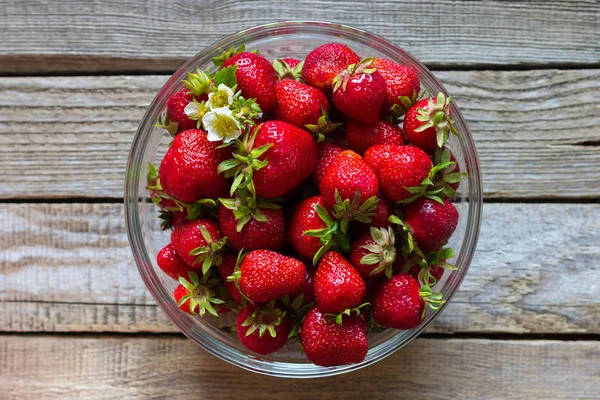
<point x="398" y="167"/>
<point x="263" y="330"/>
<point x="431" y="223"/>
<point x="348" y="175"/>
<point x="430" y="269"/>
<point x="197" y="296"/>
<point x="256" y="78"/>
<point x="327" y="343"/>
<point x="401" y="83"/>
<point x="359" y="92"/>
<point x="226" y="269"/>
<point x="198" y="243"/>
<point x="171" y="264"/>
<point x="188" y="171"/>
<point x="327" y="152"/>
<point x="382" y="213"/>
<point x="325" y="62"/>
<point x="179" y="218"/>
<point x="311" y="232"/>
<point x="175" y="110"/>
<point x="374" y="253"/>
<point x="362" y="136"/>
<point x="397" y="303"/>
<point x="265" y="275"/>
<point x="428" y="123"/>
<point x="338" y="285"/>
<point x="258" y="228"/>
<point x="291" y="159"/>
<point x="299" y="104"/>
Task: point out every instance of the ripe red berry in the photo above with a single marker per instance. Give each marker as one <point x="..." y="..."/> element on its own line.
<point x="338" y="285"/>
<point x="266" y="275"/>
<point x="432" y="224"/>
<point x="397" y="303"/>
<point x="327" y="343"/>
<point x="171" y="264"/>
<point x="262" y="330"/>
<point x="362" y="136"/>
<point x="325" y="62"/>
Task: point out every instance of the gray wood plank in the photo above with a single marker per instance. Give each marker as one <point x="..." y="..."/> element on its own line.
<point x="154" y="35"/>
<point x="58" y="367"/>
<point x="68" y="268"/>
<point x="537" y="132"/>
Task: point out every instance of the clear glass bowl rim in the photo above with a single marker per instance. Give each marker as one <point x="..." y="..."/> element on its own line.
<point x="144" y="264"/>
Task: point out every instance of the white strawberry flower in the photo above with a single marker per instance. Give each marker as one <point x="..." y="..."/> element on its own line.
<point x="220" y="98"/>
<point x="221" y="125"/>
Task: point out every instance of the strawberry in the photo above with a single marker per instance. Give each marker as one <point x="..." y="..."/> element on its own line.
<point x="170" y="263"/>
<point x="401" y="83"/>
<point x="325" y="62"/>
<point x="256" y="78"/>
<point x="338" y="285"/>
<point x="327" y="152"/>
<point x="374" y="253"/>
<point x="176" y="111"/>
<point x="299" y="104"/>
<point x="350" y="187"/>
<point x="188" y="171"/>
<point x="291" y="62"/>
<point x="397" y="303"/>
<point x="292" y="158"/>
<point x="398" y="168"/>
<point x="359" y="92"/>
<point x="250" y="224"/>
<point x="263" y="330"/>
<point x="312" y="231"/>
<point x="431" y="223"/>
<point x="362" y="136"/>
<point x="328" y="343"/>
<point x="265" y="275"/>
<point x="197" y="296"/>
<point x="199" y="243"/>
<point x="428" y="123"/>
<point x="226" y="269"/>
<point x="380" y="216"/>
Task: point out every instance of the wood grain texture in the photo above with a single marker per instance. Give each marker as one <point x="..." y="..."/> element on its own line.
<point x="68" y="268"/>
<point x="154" y="35"/>
<point x="537" y="132"/>
<point x="60" y="367"/>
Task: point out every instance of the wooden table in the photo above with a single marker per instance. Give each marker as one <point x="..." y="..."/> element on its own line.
<point x="76" y="319"/>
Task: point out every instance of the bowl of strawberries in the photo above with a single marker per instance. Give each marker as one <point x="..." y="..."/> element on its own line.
<point x="303" y="198"/>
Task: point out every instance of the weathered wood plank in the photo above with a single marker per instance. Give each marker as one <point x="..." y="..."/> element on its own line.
<point x="70" y="136"/>
<point x="58" y="367"/>
<point x="152" y="35"/>
<point x="68" y="267"/>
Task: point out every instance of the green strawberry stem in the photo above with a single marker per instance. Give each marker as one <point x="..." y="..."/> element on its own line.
<point x="346" y="211"/>
<point x="284" y="70"/>
<point x="338" y="318"/>
<point x="244" y="162"/>
<point x="438" y="116"/>
<point x="201" y="294"/>
<point x="322" y="127"/>
<point x="332" y="236"/>
<point x="210" y="254"/>
<point x="264" y="320"/>
<point x="382" y="253"/>
<point x="246" y="207"/>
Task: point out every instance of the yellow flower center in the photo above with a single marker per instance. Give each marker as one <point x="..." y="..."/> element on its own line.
<point x="226" y="126"/>
<point x="220" y="99"/>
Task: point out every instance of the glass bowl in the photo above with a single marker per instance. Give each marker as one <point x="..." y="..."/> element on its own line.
<point x="277" y="40"/>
